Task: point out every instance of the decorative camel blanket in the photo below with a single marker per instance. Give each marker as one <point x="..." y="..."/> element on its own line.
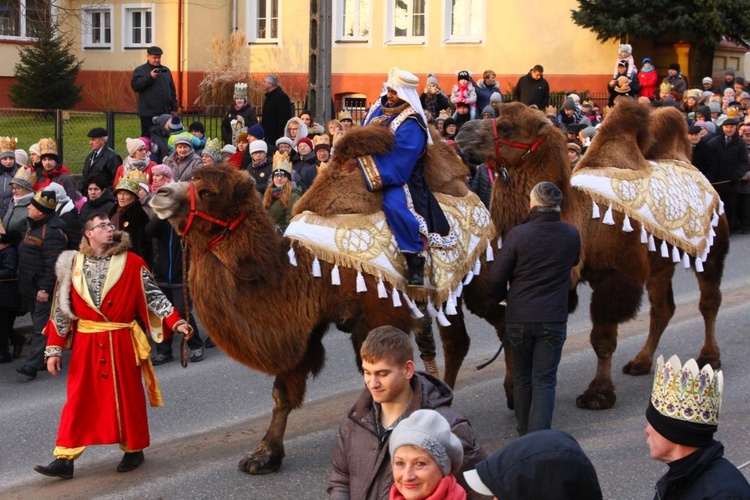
<point x="672" y="200"/>
<point x="365" y="243"/>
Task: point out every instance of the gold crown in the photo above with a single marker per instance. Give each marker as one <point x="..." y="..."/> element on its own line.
<point x="321" y="139"/>
<point x="8" y="143"/>
<point x="46" y="199"/>
<point x="25" y="177"/>
<point x="733" y="113"/>
<point x="281" y="162"/>
<point x="131" y="181"/>
<point x="686" y="392"/>
<point x="550" y="111"/>
<point x="47" y="147"/>
<point x="345" y="115"/>
<point x="213" y="148"/>
<point x="240" y="90"/>
<point x="445" y="113"/>
<point x="694" y="93"/>
<point x="665" y="87"/>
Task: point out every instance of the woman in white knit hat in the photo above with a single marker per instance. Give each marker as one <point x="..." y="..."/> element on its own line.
<point x="138" y="159"/>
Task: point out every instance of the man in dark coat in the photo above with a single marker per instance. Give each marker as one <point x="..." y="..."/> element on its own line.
<point x="680" y="433"/>
<point x="361" y="462"/>
<point x="277" y="109"/>
<point x="102" y="160"/>
<point x="536" y="259"/>
<point x="731" y="158"/>
<point x="155" y="87"/>
<point x="44" y="241"/>
<point x="532" y="88"/>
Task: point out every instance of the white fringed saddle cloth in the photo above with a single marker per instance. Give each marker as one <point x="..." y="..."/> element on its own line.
<point x="672" y="200"/>
<point x="365" y="243"/>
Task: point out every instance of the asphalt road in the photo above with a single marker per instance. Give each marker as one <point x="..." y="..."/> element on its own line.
<point x="217" y="410"/>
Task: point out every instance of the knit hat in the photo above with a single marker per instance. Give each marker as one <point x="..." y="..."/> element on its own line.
<point x="25" y="177"/>
<point x="646" y="59"/>
<point x="729" y="71"/>
<point x="21" y="157"/>
<point x="574" y="97"/>
<point x="708" y="79"/>
<point x="675" y="66"/>
<point x="228" y="149"/>
<point x="8" y="147"/>
<point x="240" y="91"/>
<point x="175" y="125"/>
<point x="162" y="169"/>
<point x="575" y="147"/>
<point x="490" y="110"/>
<point x="743" y="95"/>
<point x="430" y="431"/>
<point x="496" y="97"/>
<point x="714" y="107"/>
<point x="257" y="146"/>
<point x="695" y="129"/>
<point x="569" y="104"/>
<point x="144" y="186"/>
<point x="589" y="132"/>
<point x="685" y="401"/>
<point x="705" y="95"/>
<point x="131" y="181"/>
<point x="197" y="127"/>
<point x="34" y="148"/>
<point x="305" y="140"/>
<point x="162" y="120"/>
<point x="464" y="75"/>
<point x="729" y="91"/>
<point x="546" y="194"/>
<point x="97" y="132"/>
<point x="285" y="140"/>
<point x="256" y="131"/>
<point x="44" y="201"/>
<point x="431" y="80"/>
<point x="133" y="145"/>
<point x="48" y="148"/>
<point x="242" y="137"/>
<point x="282" y="164"/>
<point x="213" y="149"/>
<point x="183" y="138"/>
<point x="447" y="122"/>
<point x="147" y="142"/>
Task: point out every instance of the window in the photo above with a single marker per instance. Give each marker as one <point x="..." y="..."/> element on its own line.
<point x="464" y="20"/>
<point x="23" y="18"/>
<point x="406" y="21"/>
<point x="138" y="29"/>
<point x="263" y="21"/>
<point x="97" y="27"/>
<point x="353" y="20"/>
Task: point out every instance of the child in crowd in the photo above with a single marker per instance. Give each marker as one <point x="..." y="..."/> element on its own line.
<point x="625" y="53"/>
<point x="648" y="79"/>
<point x="464" y="93"/>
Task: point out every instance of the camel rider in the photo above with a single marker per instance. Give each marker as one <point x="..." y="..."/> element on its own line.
<point x="412" y="211"/>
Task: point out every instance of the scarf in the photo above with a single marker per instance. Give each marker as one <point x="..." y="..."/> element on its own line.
<point x="23" y="197"/>
<point x="130" y="164"/>
<point x="448" y="489"/>
<point x="276" y="191"/>
<point x="115" y="219"/>
<point x="646" y="70"/>
<point x="259" y="164"/>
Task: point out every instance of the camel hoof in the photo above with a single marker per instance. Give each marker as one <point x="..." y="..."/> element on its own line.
<point x="511" y="403"/>
<point x="258" y="463"/>
<point x="636" y="367"/>
<point x="709" y="359"/>
<point x="591" y="400"/>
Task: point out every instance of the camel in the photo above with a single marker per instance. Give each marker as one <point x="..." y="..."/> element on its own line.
<point x="614" y="263"/>
<point x="261" y="309"/>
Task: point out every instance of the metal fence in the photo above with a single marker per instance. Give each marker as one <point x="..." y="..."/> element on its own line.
<point x="70" y="128"/>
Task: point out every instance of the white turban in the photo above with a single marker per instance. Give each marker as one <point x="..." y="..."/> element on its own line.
<point x="405" y="84"/>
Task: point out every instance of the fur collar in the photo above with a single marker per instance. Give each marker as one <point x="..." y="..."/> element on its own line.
<point x="120" y="244"/>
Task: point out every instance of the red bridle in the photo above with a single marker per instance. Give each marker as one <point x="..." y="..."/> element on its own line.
<point x="228" y="226"/>
<point x="499" y="156"/>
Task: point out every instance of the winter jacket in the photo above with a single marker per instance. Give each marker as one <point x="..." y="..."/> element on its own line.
<point x="703" y="158"/>
<point x="15" y="221"/>
<point x="361" y="462"/>
<point x="262" y="175"/>
<point x="156" y="96"/>
<point x="530" y="91"/>
<point x="100" y="205"/>
<point x="484" y="93"/>
<point x="281" y="215"/>
<point x="104" y="163"/>
<point x="677" y="82"/>
<point x="536" y="259"/>
<point x="481" y="184"/>
<point x="434" y="103"/>
<point x="159" y="144"/>
<point x="247" y="113"/>
<point x="182" y="170"/>
<point x="133" y="221"/>
<point x="6" y="193"/>
<point x="467" y="94"/>
<point x="302" y="166"/>
<point x="168" y="260"/>
<point x="648" y="80"/>
<point x="731" y="162"/>
<point x="9" y="277"/>
<point x="58" y="174"/>
<point x="277" y="110"/>
<point x="44" y="241"/>
<point x="703" y="474"/>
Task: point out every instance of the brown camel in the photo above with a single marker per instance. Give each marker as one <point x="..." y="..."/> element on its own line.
<point x="615" y="263"/>
<point x="260" y="309"/>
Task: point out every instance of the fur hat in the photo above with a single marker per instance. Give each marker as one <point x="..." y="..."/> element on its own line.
<point x="257" y="146"/>
<point x="464" y="75"/>
<point x="285" y="140"/>
<point x="48" y="148"/>
<point x="256" y="131"/>
<point x="45" y="201"/>
<point x="623" y="85"/>
<point x="546" y="194"/>
<point x="281" y="163"/>
<point x="430" y="431"/>
<point x="162" y="169"/>
<point x="625" y="47"/>
<point x="133" y="145"/>
<point x="130" y="182"/>
<point x="8" y="147"/>
<point x="240" y="91"/>
<point x="431" y="80"/>
<point x="305" y="140"/>
<point x="21" y="157"/>
<point x="175" y="125"/>
<point x="183" y="138"/>
<point x="25" y="177"/>
<point x="213" y="149"/>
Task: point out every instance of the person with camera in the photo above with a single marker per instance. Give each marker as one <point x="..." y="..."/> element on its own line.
<point x="433" y="99"/>
<point x="155" y="87"/>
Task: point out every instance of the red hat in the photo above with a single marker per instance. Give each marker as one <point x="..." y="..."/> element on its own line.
<point x="305" y="140"/>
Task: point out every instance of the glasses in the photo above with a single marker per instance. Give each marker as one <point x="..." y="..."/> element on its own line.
<point x="103" y="225"/>
<point x="280" y="174"/>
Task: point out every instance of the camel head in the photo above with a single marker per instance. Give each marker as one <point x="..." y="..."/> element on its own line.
<point x="219" y="192"/>
<point x="669" y="134"/>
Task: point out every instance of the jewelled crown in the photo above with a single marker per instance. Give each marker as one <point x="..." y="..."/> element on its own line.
<point x="240" y="90"/>
<point x="47" y="147"/>
<point x="213" y="148"/>
<point x="281" y="162"/>
<point x="685" y="392"/>
<point x="25" y="177"/>
<point x="131" y="181"/>
<point x="46" y="199"/>
<point x="8" y="143"/>
<point x="550" y="111"/>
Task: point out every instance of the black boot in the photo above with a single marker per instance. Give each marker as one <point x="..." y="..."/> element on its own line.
<point x="61" y="467"/>
<point x="17" y="341"/>
<point x="415" y="269"/>
<point x="130" y="461"/>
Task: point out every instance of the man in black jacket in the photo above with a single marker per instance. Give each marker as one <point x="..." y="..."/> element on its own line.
<point x="44" y="241"/>
<point x="532" y="88"/>
<point x="731" y="163"/>
<point x="155" y="87"/>
<point x="102" y="160"/>
<point x="277" y="109"/>
<point x="536" y="259"/>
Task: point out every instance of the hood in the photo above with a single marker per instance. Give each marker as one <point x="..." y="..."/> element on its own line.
<point x="483" y="85"/>
<point x="302" y="132"/>
<point x="435" y="392"/>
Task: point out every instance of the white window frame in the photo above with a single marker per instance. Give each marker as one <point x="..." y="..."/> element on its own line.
<point x="251" y="21"/>
<point x="86" y="26"/>
<point x="340" y="35"/>
<point x="448" y="37"/>
<point x="127" y="10"/>
<point x="22" y="22"/>
<point x="391" y="38"/>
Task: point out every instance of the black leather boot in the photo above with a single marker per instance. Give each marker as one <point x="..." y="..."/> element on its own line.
<point x="130" y="461"/>
<point x="415" y="269"/>
<point x="61" y="467"/>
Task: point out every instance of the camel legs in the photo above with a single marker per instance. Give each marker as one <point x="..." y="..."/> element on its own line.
<point x="710" y="301"/>
<point x="455" y="345"/>
<point x="600" y="394"/>
<point x="288" y="394"/>
<point x="425" y="339"/>
<point x="661" y="298"/>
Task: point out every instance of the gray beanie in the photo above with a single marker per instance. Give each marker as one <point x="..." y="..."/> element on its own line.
<point x="589" y="132"/>
<point x="496" y="97"/>
<point x="490" y="110"/>
<point x="430" y="431"/>
<point x="715" y="107"/>
<point x="569" y="104"/>
<point x="431" y="80"/>
<point x="546" y="194"/>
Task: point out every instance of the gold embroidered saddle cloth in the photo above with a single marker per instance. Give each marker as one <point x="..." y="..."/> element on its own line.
<point x="366" y="243"/>
<point x="672" y="200"/>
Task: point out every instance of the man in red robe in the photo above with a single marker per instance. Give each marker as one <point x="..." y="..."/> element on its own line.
<point x="101" y="290"/>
